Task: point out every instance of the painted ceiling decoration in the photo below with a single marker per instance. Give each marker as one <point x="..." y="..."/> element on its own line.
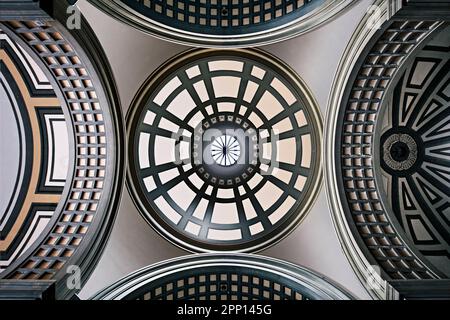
<point x="387" y="145"/>
<point x="414" y="151"/>
<point x="34" y="149"/>
<point x="224" y="150"/>
<point x="226" y="278"/>
<point x="227" y="23"/>
<point x="62" y="138"/>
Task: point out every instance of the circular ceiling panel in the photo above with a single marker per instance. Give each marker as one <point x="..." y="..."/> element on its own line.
<point x="223" y="22"/>
<point x="224" y="150"/>
<point x="225" y="278"/>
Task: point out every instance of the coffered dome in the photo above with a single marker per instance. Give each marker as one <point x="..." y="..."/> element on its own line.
<point x="225" y="150"/>
<point x="223" y="22"/>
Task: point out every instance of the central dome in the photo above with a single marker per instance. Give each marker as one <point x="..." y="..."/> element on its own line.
<point x="224" y="150"/>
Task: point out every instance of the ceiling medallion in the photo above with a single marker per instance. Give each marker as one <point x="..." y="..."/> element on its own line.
<point x="224" y="150"/>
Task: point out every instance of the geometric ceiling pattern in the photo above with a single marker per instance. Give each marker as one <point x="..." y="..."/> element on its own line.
<point x="34" y="149"/>
<point x="223" y="22"/>
<point x="357" y="132"/>
<point x="387" y="149"/>
<point x="415" y="151"/>
<point x="220" y="17"/>
<point x="62" y="136"/>
<point x="232" y="277"/>
<point x="224" y="150"/>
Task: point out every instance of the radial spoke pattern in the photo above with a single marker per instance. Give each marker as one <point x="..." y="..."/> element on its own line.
<point x="415" y="152"/>
<point x="361" y="146"/>
<point x="225" y="151"/>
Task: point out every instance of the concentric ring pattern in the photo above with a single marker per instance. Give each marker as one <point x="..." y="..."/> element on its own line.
<point x="223" y="22"/>
<point x="241" y="100"/>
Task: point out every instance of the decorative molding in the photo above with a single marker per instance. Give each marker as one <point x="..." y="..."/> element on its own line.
<point x="285" y="21"/>
<point x="366" y="73"/>
<point x="189" y="198"/>
<point x="223" y="277"/>
<point x="80" y="75"/>
<point x="43" y="290"/>
<point x="30" y="198"/>
<point x="22" y="10"/>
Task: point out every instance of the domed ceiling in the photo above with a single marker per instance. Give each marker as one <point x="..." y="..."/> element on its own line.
<point x="59" y="131"/>
<point x="34" y="149"/>
<point x="414" y="151"/>
<point x="223" y="22"/>
<point x="388" y="153"/>
<point x="232" y="277"/>
<point x="224" y="150"/>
